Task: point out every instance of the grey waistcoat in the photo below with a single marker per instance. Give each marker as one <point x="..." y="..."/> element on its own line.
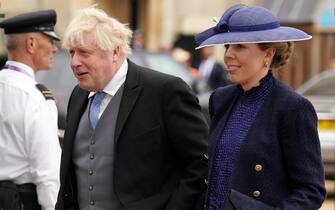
<point x="93" y="158"/>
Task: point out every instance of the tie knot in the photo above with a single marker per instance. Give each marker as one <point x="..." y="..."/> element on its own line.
<point x="99" y="95"/>
<point x="95" y="107"/>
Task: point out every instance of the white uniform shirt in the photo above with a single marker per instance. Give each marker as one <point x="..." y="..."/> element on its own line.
<point x="30" y="151"/>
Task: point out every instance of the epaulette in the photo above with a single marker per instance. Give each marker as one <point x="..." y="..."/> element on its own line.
<point x="45" y="91"/>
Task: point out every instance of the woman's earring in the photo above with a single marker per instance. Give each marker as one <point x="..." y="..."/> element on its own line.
<point x="265" y="64"/>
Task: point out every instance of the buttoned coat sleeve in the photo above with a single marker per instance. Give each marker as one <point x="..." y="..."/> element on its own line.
<point x="187" y="132"/>
<point x="302" y="157"/>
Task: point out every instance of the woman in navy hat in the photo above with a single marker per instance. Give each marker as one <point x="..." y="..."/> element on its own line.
<point x="264" y="150"/>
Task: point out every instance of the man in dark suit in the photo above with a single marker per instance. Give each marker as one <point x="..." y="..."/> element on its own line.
<point x="135" y="138"/>
<point x="210" y="70"/>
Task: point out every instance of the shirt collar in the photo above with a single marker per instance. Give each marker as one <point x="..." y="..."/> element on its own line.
<point x="115" y="83"/>
<point x="264" y="84"/>
<point x="27" y="69"/>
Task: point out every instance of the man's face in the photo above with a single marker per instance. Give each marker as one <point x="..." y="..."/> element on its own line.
<point x="92" y="67"/>
<point x="45" y="50"/>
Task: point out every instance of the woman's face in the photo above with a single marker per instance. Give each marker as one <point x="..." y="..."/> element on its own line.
<point x="247" y="64"/>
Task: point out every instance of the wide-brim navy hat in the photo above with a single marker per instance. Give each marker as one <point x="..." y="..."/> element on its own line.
<point x="248" y="24"/>
<point x="40" y="21"/>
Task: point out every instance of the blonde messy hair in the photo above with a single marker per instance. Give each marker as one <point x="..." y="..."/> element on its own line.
<point x="107" y="32"/>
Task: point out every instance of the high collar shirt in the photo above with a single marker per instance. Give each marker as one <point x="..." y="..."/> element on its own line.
<point x="113" y="86"/>
<point x="30" y="150"/>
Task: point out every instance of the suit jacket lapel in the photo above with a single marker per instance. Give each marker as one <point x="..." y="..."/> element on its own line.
<point x="79" y="101"/>
<point x="130" y="95"/>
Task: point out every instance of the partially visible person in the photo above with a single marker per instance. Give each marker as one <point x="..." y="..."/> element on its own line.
<point x="183" y="57"/>
<point x="210" y="70"/>
<point x="264" y="149"/>
<point x="135" y="138"/>
<point x="30" y="151"/>
<point x="137" y="40"/>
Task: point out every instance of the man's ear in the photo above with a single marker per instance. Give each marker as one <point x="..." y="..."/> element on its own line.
<point x="30" y="44"/>
<point x="116" y="54"/>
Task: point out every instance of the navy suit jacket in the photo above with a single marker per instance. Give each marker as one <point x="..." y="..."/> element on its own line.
<point x="279" y="165"/>
<point x="161" y="138"/>
<point x="218" y="77"/>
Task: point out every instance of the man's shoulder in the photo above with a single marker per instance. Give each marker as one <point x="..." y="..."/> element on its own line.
<point x="152" y="76"/>
<point x="150" y="73"/>
<point x="17" y="83"/>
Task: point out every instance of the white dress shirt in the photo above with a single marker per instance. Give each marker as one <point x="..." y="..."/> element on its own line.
<point x="30" y="151"/>
<point x="113" y="86"/>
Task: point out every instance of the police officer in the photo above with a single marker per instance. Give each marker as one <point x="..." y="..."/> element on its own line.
<point x="30" y="152"/>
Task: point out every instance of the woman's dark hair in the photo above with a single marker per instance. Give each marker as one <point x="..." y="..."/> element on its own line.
<point x="283" y="53"/>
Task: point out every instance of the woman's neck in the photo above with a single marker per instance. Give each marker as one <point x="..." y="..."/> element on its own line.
<point x="256" y="80"/>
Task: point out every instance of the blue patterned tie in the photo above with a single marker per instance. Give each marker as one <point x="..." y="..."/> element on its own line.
<point x="95" y="107"/>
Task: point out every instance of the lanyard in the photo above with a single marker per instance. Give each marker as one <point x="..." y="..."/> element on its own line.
<point x="15" y="68"/>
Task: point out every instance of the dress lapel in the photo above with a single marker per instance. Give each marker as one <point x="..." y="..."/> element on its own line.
<point x="222" y="118"/>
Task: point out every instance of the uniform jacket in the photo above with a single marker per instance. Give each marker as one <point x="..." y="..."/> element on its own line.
<point x="160" y="142"/>
<point x="279" y="165"/>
